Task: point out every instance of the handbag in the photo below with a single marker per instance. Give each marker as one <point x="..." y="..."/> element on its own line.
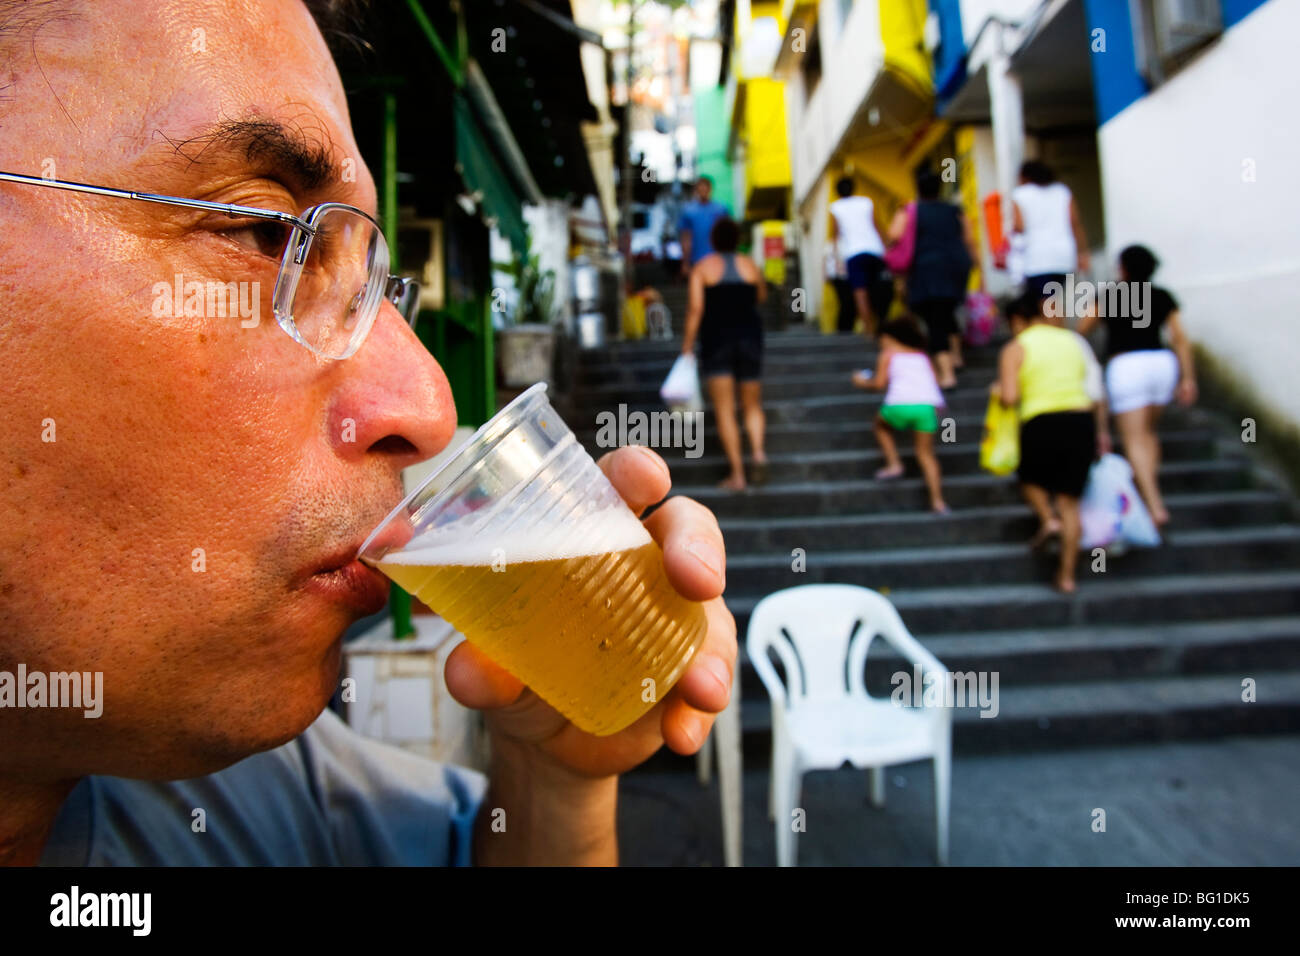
<point x="1000" y="446"/>
<point x="899" y="256"/>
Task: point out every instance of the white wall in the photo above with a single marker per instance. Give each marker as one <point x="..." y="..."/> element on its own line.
<point x="812" y="246"/>
<point x="1172" y="167"/>
<point x="975" y="12"/>
<point x="852" y="55"/>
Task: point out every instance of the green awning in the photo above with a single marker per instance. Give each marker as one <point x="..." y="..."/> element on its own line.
<point x="482" y="173"/>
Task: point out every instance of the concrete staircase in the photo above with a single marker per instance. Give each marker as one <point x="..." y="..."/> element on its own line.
<point x="1154" y="648"/>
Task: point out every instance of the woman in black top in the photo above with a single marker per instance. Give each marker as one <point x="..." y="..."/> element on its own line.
<point x="1142" y="374"/>
<point x="936" y="279"/>
<point x="725" y="291"/>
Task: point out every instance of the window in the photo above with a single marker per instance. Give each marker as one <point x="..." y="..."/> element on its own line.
<point x="1168" y="33"/>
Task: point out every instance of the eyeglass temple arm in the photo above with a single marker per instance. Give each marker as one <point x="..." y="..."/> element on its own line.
<point x="400" y="289"/>
<point x="227" y="208"/>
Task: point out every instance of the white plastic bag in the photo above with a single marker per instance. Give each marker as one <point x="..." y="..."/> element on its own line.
<point x="681" y="389"/>
<point x="1111" y="510"/>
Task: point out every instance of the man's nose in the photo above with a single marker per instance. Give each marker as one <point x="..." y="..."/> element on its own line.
<point x="393" y="397"/>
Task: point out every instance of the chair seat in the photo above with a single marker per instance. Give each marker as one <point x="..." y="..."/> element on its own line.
<point x="865" y="732"/>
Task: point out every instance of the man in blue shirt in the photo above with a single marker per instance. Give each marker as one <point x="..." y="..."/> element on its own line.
<point x="696" y="222"/>
<point x="182" y="517"/>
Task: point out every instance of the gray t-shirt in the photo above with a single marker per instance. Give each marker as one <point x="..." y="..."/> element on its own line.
<point x="330" y="797"/>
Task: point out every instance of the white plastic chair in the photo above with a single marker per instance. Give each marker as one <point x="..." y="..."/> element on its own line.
<point x="822" y="716"/>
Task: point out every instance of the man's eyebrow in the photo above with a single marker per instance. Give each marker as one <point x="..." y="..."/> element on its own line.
<point x="289" y="151"/>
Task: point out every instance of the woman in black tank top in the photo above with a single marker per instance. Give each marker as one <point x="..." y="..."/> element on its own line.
<point x="723" y="317"/>
<point x="1143" y="375"/>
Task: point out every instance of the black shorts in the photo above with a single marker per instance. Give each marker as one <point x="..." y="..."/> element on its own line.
<point x="1037" y="285"/>
<point x="1057" y="450"/>
<point x="740" y="356"/>
<point x="940" y="318"/>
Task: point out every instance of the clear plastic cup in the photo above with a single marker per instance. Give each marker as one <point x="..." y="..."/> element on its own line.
<point x="520" y="541"/>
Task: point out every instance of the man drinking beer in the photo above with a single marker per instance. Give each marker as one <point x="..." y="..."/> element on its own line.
<point x="135" y="441"/>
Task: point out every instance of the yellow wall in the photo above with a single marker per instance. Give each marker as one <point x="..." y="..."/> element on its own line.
<point x="768" y="149"/>
<point x="970" y="193"/>
<point x="902" y="29"/>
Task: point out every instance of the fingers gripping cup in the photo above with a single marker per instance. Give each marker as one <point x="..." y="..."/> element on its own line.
<point x="521" y="542"/>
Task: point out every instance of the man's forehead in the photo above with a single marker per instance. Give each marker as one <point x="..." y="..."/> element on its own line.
<point x="226" y="89"/>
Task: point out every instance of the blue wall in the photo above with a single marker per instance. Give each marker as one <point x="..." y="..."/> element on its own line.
<point x="1115" y="80"/>
<point x="1234" y="11"/>
<point x="950" y="57"/>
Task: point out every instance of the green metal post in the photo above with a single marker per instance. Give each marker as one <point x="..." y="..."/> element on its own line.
<point x="398" y="598"/>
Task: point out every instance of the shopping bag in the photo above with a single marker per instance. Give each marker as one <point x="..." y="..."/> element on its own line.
<point x="1000" y="447"/>
<point x="1111" y="511"/>
<point x="681" y="389"/>
<point x="634" y="324"/>
<point x="981" y="318"/>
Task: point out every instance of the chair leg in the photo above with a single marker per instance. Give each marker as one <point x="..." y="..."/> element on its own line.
<point x="785" y="782"/>
<point x="942" y="792"/>
<point x="727" y="732"/>
<point x="877" y="779"/>
<point x="771" y="782"/>
<point x="704" y="761"/>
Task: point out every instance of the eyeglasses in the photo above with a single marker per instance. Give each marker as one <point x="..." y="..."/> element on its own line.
<point x="333" y="269"/>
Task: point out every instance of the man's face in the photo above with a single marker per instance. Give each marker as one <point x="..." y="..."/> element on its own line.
<point x="703" y="190"/>
<point x="176" y="489"/>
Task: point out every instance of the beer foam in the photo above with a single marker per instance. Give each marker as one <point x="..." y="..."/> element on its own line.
<point x="600" y="532"/>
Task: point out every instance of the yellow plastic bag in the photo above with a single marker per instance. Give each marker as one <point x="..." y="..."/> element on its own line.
<point x="634" y="326"/>
<point x="1000" y="447"/>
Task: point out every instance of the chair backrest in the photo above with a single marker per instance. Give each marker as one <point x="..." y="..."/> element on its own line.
<point x="821" y="633"/>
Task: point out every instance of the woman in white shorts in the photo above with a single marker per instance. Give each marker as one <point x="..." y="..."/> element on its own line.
<point x="1143" y="375"/>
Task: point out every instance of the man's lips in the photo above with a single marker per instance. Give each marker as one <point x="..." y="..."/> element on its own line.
<point x="355" y="584"/>
<point x="342" y="576"/>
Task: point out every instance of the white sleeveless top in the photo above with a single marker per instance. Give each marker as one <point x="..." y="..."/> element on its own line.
<point x="1049" y="239"/>
<point x="855" y="217"/>
<point x="911" y="381"/>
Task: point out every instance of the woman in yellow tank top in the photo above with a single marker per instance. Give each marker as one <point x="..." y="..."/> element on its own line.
<point x="1042" y="372"/>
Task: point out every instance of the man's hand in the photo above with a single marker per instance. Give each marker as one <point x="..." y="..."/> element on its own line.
<point x="694" y="560"/>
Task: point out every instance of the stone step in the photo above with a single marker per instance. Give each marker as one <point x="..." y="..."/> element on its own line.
<point x="840" y="363"/>
<point x="1101" y="600"/>
<point x="793" y="340"/>
<point x="1183" y="552"/>
<point x="1010" y="523"/>
<point x="959" y="457"/>
<point x="784" y="396"/>
<point x="1105" y="653"/>
<point x="833" y="436"/>
<point x="1095" y="713"/>
<point x="863" y="495"/>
